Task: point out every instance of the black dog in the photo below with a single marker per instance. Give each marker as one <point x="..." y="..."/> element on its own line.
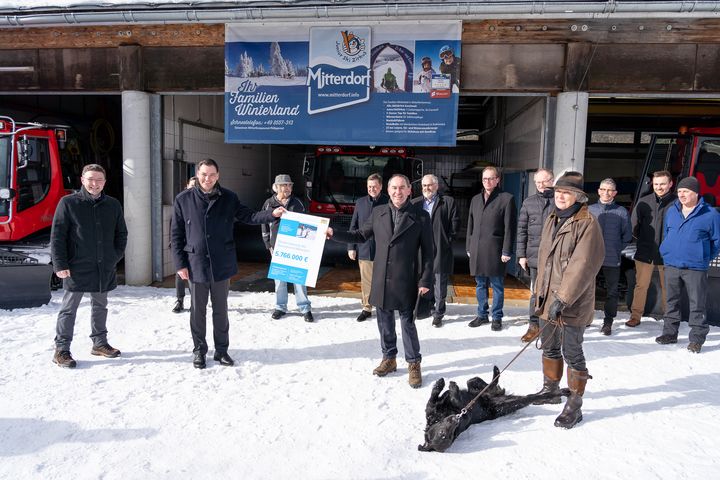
<point x="444" y="422"/>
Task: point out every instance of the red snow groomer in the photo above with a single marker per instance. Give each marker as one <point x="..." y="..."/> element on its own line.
<point x="32" y="182"/>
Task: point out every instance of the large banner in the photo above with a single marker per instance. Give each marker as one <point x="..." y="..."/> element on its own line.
<point x="298" y="248"/>
<point x="361" y="83"/>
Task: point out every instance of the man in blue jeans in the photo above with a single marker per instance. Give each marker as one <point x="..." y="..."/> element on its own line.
<point x="283" y="197"/>
<point x="691" y="242"/>
<point x="489" y="242"/>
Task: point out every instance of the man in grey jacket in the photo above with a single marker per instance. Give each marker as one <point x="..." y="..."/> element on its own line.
<point x="535" y="209"/>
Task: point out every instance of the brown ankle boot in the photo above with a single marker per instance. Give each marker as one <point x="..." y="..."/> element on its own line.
<point x="388" y="365"/>
<point x="532" y="332"/>
<point x="552" y="374"/>
<point x="415" y="377"/>
<point x="571" y="414"/>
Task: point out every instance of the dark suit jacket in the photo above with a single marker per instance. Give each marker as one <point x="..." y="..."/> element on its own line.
<point x="397" y="265"/>
<point x="202" y="232"/>
<point x="363" y="208"/>
<point x="445" y="222"/>
<point x="490" y="232"/>
<point x="88" y="237"/>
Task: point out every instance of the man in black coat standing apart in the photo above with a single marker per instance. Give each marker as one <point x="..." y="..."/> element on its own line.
<point x="364" y="252"/>
<point x="445" y="222"/>
<point x="87" y="241"/>
<point x="400" y="229"/>
<point x="489" y="242"/>
<point x="204" y="251"/>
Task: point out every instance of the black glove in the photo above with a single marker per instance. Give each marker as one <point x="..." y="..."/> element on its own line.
<point x="555" y="310"/>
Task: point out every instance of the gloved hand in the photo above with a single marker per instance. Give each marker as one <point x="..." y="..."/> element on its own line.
<point x="555" y="310"/>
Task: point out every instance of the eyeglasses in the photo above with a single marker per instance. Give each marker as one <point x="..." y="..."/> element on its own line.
<point x="428" y="185"/>
<point x="490" y="179"/>
<point x="607" y="190"/>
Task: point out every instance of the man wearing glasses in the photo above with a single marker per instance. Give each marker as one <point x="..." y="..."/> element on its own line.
<point x="489" y="241"/>
<point x="535" y="209"/>
<point x="614" y="222"/>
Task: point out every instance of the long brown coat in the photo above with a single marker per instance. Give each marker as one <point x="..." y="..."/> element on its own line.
<point x="567" y="266"/>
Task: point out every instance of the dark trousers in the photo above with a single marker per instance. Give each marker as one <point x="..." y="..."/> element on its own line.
<point x="388" y="337"/>
<point x="68" y="312"/>
<point x="612" y="278"/>
<point x="531" y="307"/>
<point x="440" y="293"/>
<point x="179" y="287"/>
<point x="695" y="283"/>
<point x="564" y="342"/>
<point x="218" y="293"/>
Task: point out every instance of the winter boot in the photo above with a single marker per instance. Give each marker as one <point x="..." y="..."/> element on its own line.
<point x="606" y="329"/>
<point x="415" y="377"/>
<point x="388" y="365"/>
<point x="571" y="414"/>
<point x="552" y="374"/>
<point x="179" y="307"/>
<point x="532" y="332"/>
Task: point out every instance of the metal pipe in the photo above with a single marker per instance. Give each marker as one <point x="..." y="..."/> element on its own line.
<point x="290" y="11"/>
<point x="156" y="208"/>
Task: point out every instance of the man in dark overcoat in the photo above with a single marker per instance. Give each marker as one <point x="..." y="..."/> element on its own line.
<point x="400" y="230"/>
<point x="489" y="243"/>
<point x="445" y="222"/>
<point x="364" y="252"/>
<point x="204" y="252"/>
<point x="87" y="241"/>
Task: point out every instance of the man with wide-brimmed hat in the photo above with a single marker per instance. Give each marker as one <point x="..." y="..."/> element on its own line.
<point x="570" y="256"/>
<point x="283" y="197"/>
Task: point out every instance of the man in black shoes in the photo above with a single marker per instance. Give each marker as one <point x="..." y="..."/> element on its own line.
<point x="87" y="241"/>
<point x="445" y="223"/>
<point x="204" y="251"/>
<point x="179" y="282"/>
<point x="364" y="252"/>
<point x="614" y="222"/>
<point x="489" y="243"/>
<point x="401" y="230"/>
<point x="691" y="240"/>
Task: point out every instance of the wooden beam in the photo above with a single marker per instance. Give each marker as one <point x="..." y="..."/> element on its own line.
<point x="578" y="57"/>
<point x="175" y="35"/>
<point x="131" y="67"/>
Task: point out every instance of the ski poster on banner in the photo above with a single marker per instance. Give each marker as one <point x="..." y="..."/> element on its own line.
<point x="298" y="248"/>
<point x="359" y="83"/>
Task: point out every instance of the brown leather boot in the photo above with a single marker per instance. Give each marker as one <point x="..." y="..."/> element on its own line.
<point x="532" y="332"/>
<point x="571" y="414"/>
<point x="415" y="377"/>
<point x="388" y="365"/>
<point x="552" y="374"/>
<point x="633" y="322"/>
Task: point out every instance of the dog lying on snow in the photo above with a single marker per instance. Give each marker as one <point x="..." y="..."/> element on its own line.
<point x="444" y="423"/>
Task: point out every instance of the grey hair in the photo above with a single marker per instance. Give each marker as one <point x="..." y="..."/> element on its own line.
<point x="609" y="181"/>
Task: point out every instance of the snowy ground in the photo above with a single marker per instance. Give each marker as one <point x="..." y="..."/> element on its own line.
<point x="302" y="403"/>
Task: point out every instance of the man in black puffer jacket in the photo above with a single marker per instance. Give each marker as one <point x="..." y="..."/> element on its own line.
<point x="87" y="240"/>
<point x="535" y="209"/>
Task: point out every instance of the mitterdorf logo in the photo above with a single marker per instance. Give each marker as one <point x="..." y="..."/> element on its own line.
<point x="339" y="67"/>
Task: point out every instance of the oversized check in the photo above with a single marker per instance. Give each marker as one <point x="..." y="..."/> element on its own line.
<point x="298" y="248"/>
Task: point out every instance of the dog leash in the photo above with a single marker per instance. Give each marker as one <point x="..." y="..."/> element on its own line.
<point x="472" y="402"/>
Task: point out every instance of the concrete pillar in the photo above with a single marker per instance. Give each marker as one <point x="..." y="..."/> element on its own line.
<point x="570" y="128"/>
<point x="136" y="186"/>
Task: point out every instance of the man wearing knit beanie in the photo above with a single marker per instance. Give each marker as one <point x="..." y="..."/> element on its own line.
<point x="691" y="241"/>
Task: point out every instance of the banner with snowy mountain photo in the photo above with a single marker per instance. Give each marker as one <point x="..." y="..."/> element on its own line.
<point x="360" y="83"/>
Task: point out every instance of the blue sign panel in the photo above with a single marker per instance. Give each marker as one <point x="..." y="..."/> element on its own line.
<point x="371" y="84"/>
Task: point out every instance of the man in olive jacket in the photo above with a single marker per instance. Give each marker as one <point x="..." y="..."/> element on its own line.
<point x="489" y="244"/>
<point x="87" y="241"/>
<point x="203" y="247"/>
<point x="400" y="229"/>
<point x="571" y="253"/>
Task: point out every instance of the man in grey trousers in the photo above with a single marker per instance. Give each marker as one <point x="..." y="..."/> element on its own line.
<point x="87" y="241"/>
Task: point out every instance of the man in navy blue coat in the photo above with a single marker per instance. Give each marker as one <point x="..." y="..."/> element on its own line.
<point x="204" y="251"/>
<point x="364" y="252"/>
